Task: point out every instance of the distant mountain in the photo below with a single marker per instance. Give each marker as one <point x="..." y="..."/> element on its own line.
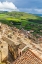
<point x="3" y="11"/>
<point x="38" y="15"/>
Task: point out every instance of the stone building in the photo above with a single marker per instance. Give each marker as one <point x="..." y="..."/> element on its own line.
<point x="16" y="49"/>
<point x="3" y="50"/>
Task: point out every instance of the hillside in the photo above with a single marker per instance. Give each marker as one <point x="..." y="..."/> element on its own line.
<point x="23" y="20"/>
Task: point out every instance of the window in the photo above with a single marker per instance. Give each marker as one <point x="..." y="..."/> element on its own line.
<point x="1" y="46"/>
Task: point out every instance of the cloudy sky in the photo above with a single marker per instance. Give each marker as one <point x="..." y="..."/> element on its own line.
<point x="30" y="6"/>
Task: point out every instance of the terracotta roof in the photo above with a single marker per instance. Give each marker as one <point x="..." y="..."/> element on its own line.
<point x="28" y="58"/>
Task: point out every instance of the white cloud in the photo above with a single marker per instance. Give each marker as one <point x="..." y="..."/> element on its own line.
<point x="8" y="6"/>
<point x="32" y="10"/>
<point x="38" y="10"/>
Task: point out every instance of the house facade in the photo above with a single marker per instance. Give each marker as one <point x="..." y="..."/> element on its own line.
<point x="3" y="51"/>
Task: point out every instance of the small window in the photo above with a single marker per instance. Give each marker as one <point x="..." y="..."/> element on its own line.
<point x="20" y="53"/>
<point x="1" y="46"/>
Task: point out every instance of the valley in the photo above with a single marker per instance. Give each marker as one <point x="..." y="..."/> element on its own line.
<point x="23" y="20"/>
<point x="20" y="38"/>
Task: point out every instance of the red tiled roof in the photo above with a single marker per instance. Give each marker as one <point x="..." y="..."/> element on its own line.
<point x="28" y="58"/>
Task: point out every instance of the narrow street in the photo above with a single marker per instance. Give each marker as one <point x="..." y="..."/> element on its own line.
<point x="10" y="58"/>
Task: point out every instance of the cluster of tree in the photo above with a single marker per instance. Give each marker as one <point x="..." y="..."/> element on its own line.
<point x="35" y="21"/>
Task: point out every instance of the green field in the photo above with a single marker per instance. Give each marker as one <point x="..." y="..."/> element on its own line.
<point x="22" y="20"/>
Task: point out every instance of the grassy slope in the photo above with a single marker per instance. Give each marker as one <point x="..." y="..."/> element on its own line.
<point x="21" y="19"/>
